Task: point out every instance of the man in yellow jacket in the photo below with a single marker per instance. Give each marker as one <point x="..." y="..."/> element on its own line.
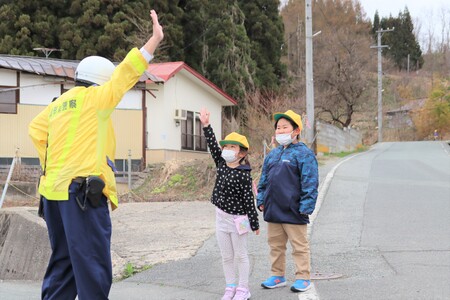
<point x="76" y="144"/>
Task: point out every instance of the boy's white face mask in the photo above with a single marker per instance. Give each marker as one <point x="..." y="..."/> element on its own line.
<point x="284" y="139"/>
<point x="229" y="155"/>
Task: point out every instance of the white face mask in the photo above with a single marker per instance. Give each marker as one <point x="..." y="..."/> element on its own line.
<point x="284" y="139"/>
<point x="229" y="155"/>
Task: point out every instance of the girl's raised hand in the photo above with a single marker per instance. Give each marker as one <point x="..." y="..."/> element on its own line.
<point x="204" y="117"/>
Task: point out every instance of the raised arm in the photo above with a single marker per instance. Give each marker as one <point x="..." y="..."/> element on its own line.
<point x="216" y="151"/>
<point x="157" y="36"/>
<point x="128" y="72"/>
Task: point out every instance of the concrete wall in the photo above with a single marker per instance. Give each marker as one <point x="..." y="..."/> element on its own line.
<point x="331" y="139"/>
<point x="160" y="156"/>
<point x="24" y="245"/>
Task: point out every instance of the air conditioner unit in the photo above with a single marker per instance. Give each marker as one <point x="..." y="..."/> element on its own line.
<point x="180" y="114"/>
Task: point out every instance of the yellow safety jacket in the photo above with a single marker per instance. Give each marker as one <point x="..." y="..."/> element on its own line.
<point x="79" y="132"/>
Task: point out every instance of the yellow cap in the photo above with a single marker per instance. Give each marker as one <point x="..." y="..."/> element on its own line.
<point x="290" y="115"/>
<point x="236" y="139"/>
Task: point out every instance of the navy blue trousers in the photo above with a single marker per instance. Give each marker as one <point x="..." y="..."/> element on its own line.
<point x="80" y="263"/>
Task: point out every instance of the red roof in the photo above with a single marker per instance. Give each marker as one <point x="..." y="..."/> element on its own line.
<point x="167" y="70"/>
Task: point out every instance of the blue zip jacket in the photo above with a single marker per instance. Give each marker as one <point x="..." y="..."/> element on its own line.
<point x="288" y="184"/>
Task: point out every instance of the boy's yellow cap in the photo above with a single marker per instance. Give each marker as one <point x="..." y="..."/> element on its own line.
<point x="291" y="116"/>
<point x="236" y="139"/>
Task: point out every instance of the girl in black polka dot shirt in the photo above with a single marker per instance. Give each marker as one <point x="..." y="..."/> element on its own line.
<point x="236" y="213"/>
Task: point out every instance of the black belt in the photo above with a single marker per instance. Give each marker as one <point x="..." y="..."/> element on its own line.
<point x="79" y="180"/>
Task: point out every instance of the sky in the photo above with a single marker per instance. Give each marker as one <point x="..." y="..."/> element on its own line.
<point x="417" y="8"/>
<point x="426" y="14"/>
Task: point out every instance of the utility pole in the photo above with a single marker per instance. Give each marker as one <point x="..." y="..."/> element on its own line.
<point x="380" y="82"/>
<point x="408" y="64"/>
<point x="310" y="132"/>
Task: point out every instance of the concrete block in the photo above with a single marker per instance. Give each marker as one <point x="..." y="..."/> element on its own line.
<point x="24" y="245"/>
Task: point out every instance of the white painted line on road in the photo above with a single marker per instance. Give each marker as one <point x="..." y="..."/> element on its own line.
<point x="312" y="293"/>
<point x="445" y="147"/>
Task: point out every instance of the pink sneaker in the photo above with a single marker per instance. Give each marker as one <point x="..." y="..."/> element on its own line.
<point x="229" y="293"/>
<point x="242" y="294"/>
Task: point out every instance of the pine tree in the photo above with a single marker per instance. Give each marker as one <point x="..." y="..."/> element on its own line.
<point x="228" y="62"/>
<point x="171" y="15"/>
<point x="265" y="30"/>
<point x="16" y="29"/>
<point x="402" y="41"/>
<point x="376" y="24"/>
<point x="195" y="29"/>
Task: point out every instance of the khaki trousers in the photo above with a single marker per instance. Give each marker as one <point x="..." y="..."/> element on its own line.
<point x="278" y="235"/>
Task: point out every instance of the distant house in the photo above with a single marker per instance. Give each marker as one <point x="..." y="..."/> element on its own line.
<point x="156" y="121"/>
<point x="401" y="117"/>
<point x="399" y="122"/>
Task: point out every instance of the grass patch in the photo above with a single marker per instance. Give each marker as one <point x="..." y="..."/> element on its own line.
<point x="130" y="270"/>
<point x="346" y="153"/>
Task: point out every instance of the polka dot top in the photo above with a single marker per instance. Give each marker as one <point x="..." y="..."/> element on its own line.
<point x="233" y="188"/>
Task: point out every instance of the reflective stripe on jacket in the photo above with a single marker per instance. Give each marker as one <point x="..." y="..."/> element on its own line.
<point x="80" y="132"/>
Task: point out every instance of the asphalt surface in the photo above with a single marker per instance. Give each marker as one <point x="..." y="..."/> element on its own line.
<point x="385" y="225"/>
<point x="383" y="229"/>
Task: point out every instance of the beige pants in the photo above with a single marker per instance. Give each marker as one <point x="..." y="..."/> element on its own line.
<point x="278" y="235"/>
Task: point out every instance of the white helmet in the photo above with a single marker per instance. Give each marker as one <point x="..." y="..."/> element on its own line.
<point x="95" y="69"/>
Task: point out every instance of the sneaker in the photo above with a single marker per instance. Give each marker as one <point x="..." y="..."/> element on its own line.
<point x="242" y="294"/>
<point x="229" y="293"/>
<point x="301" y="285"/>
<point x="274" y="282"/>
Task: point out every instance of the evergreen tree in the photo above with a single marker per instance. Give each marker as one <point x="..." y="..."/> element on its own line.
<point x="402" y="42"/>
<point x="81" y="28"/>
<point x="228" y="62"/>
<point x="95" y="27"/>
<point x="20" y="22"/>
<point x="265" y="30"/>
<point x="376" y="24"/>
<point x="172" y="15"/>
<point x="195" y="29"/>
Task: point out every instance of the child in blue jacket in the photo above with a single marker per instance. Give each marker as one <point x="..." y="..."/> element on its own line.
<point x="287" y="194"/>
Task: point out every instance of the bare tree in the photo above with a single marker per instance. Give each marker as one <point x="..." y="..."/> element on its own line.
<point x="342" y="76"/>
<point x="342" y="62"/>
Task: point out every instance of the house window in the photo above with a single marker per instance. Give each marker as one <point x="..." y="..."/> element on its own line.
<point x="192" y="137"/>
<point x="8" y="100"/>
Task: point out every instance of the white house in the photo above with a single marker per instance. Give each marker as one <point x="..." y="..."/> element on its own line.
<point x="172" y="123"/>
<point x="156" y="121"/>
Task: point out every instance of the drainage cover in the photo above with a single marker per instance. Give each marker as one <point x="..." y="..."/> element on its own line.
<point x="325" y="276"/>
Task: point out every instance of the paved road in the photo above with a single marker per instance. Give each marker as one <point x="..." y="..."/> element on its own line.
<point x="385" y="225"/>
